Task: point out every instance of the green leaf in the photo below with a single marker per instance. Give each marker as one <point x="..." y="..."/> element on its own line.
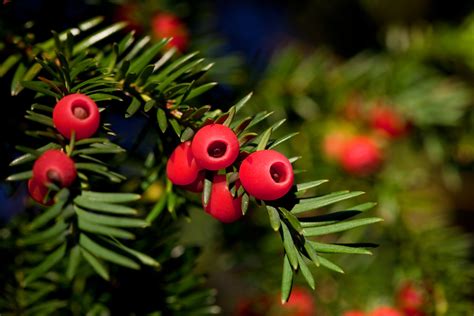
<point x="98" y="266"/>
<point x="149" y="105"/>
<point x="162" y="119"/>
<point x="239" y="105"/>
<point x="45" y="265"/>
<point x="133" y="107"/>
<point x="230" y="117"/>
<point x="104" y="230"/>
<point x="30" y="157"/>
<point x="335" y="248"/>
<point x="200" y="112"/>
<point x="306" y="272"/>
<point x="264" y="140"/>
<point x="21" y="176"/>
<point x="286" y="280"/>
<point x="309" y="204"/>
<point x="187" y="134"/>
<point x="206" y="193"/>
<point x="157" y="209"/>
<point x="178" y="62"/>
<point x="330" y="265"/>
<point x="45" y="235"/>
<point x="98" y="36"/>
<point x="362" y="207"/>
<point x="73" y="263"/>
<point x="9" y="63"/>
<point x="52" y="212"/>
<point x="338" y="227"/>
<point x="15" y="86"/>
<point x="311" y="253"/>
<point x="289" y="246"/>
<point x="196" y="92"/>
<point x="259" y="117"/>
<point x="294" y="222"/>
<point x="111" y="197"/>
<point x="143" y="258"/>
<point x="110" y="220"/>
<point x="39" y="118"/>
<point x="162" y="86"/>
<point x="176" y="127"/>
<point x="104" y="207"/>
<point x="106" y="254"/>
<point x="125" y="42"/>
<point x="282" y="139"/>
<point x="46" y="308"/>
<point x="309" y="185"/>
<point x="245" y="203"/>
<point x="147" y="56"/>
<point x="274" y="217"/>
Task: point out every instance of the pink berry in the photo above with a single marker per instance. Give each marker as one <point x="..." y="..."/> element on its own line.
<point x="56" y="167"/>
<point x="410" y="297"/>
<point x="300" y="303"/>
<point x="361" y="156"/>
<point x="221" y="204"/>
<point x="182" y="168"/>
<point x="266" y="175"/>
<point x="215" y="147"/>
<point x="76" y="112"/>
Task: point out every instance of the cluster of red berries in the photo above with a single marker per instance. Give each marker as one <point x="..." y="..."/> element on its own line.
<point x="410" y="302"/>
<point x="362" y="155"/>
<point x="264" y="174"/>
<point x="74" y="114"/>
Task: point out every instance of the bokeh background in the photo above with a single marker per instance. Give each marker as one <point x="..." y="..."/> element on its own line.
<point x="382" y="95"/>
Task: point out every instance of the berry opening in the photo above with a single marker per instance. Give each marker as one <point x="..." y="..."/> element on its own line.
<point x="54" y="177"/>
<point x="217" y="149"/>
<point x="278" y="172"/>
<point x="79" y="110"/>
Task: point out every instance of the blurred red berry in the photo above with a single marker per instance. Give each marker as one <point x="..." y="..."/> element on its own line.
<point x="300" y="303"/>
<point x="389" y="122"/>
<point x="385" y="311"/>
<point x="76" y="112"/>
<point x="166" y="25"/>
<point x="56" y="167"/>
<point x="266" y="175"/>
<point x="129" y="12"/>
<point x="413" y="312"/>
<point x="410" y="297"/>
<point x="361" y="156"/>
<point x="215" y="147"/>
<point x="181" y="167"/>
<point x="221" y="204"/>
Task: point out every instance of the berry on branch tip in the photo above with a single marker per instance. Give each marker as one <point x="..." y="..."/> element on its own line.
<point x="76" y="112"/>
<point x="266" y="175"/>
<point x="54" y="166"/>
<point x="182" y="168"/>
<point x="215" y="147"/>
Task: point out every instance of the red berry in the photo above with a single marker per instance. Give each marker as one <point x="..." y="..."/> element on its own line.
<point x="386" y="120"/>
<point x="221" y="204"/>
<point x="353" y="313"/>
<point x="301" y="303"/>
<point x="413" y="312"/>
<point x="166" y="25"/>
<point x="198" y="184"/>
<point x="410" y="297"/>
<point x="266" y="175"/>
<point x="385" y="311"/>
<point x="76" y="112"/>
<point x="215" y="147"/>
<point x="54" y="166"/>
<point x="38" y="192"/>
<point x="361" y="156"/>
<point x="182" y="168"/>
